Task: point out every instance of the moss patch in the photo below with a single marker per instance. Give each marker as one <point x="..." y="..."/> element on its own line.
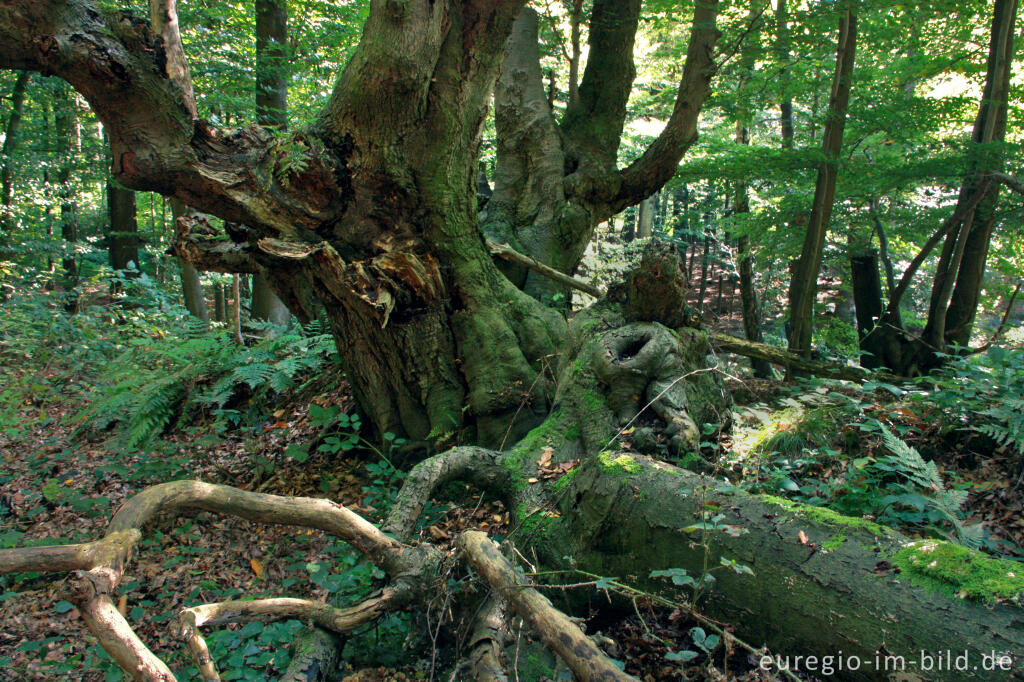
<point x="827" y="516"/>
<point x="835" y="542"/>
<point x="619" y="465"/>
<point x="961" y="572"/>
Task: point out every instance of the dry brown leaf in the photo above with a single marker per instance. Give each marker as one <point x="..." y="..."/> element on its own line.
<point x="437" y="533"/>
<point x="122" y="605"/>
<point x="257" y="567"/>
<point x="545" y="456"/>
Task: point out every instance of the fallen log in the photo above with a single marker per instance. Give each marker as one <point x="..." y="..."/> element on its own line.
<point x="783" y="358"/>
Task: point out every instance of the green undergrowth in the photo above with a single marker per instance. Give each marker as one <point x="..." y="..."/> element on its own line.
<point x="844" y="451"/>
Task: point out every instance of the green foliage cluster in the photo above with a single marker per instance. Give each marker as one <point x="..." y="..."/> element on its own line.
<point x="830" y="449"/>
<point x="155" y="385"/>
<point x="983" y="393"/>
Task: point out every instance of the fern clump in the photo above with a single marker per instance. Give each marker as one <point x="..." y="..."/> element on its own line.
<point x="161" y="382"/>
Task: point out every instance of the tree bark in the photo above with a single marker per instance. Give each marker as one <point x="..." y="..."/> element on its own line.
<point x="7" y="220"/>
<point x="271" y="112"/>
<point x="867" y="291"/>
<point x="804" y="284"/>
<point x="191" y="285"/>
<point x="782" y="46"/>
<point x="123" y="236"/>
<point x="952" y="319"/>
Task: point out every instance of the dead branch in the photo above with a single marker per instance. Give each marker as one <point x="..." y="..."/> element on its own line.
<point x="587" y="662"/>
<point x="508" y="253"/>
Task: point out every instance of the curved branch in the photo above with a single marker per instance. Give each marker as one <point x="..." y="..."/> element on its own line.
<point x="565" y="638"/>
<point x="102" y="563"/>
<point x="476" y="464"/>
<point x="659" y="162"/>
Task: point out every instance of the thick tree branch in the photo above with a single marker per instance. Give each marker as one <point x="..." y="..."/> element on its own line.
<point x="593" y="123"/>
<point x="659" y="162"/>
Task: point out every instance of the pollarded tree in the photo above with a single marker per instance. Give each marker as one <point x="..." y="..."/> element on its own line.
<point x="371" y="211"/>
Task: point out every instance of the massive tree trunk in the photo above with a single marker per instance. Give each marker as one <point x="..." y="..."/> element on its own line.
<point x="803" y="286"/>
<point x="271" y="111"/>
<point x="588" y="504"/>
<point x="371" y="211"/>
<point x="7" y="221"/>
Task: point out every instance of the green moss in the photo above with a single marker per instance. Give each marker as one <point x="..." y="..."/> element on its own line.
<point x="835" y="542"/>
<point x="619" y="465"/>
<point x="959" y="571"/>
<point x="534" y="522"/>
<point x="827" y="516"/>
<point x="592" y="400"/>
<point x="564" y="481"/>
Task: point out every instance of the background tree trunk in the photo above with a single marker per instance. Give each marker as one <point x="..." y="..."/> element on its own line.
<point x="7" y="220"/>
<point x="804" y="284"/>
<point x="952" y="319"/>
<point x="68" y="145"/>
<point x="191" y="284"/>
<point x="123" y="236"/>
<point x="271" y="111"/>
<point x="782" y="42"/>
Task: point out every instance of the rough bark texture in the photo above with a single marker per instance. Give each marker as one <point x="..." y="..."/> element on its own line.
<point x="803" y="287"/>
<point x="555" y="181"/>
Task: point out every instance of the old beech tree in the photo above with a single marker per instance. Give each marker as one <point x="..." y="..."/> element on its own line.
<point x="371" y="215"/>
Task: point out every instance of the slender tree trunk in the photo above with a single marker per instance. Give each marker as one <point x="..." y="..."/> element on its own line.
<point x="575" y="20"/>
<point x="645" y="221"/>
<point x="7" y="220"/>
<point x="123" y="236"/>
<point x="951" y="319"/>
<point x="236" y="310"/>
<point x="804" y="285"/>
<point x="68" y="140"/>
<point x="191" y="285"/>
<point x="782" y="49"/>
<point x="744" y="255"/>
<point x="220" y="303"/>
<point x="271" y="111"/>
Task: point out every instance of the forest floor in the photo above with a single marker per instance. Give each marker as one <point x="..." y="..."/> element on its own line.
<point x="58" y="484"/>
<point x="49" y="492"/>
